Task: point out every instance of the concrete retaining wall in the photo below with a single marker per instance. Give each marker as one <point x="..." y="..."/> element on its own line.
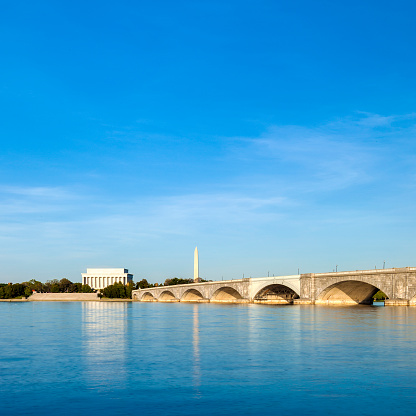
<point x="63" y="297"/>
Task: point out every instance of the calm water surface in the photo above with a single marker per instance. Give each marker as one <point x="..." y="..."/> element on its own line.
<point x="68" y="358"/>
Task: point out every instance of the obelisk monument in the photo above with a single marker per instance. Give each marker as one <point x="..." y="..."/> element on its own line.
<point x="196" y="266"/>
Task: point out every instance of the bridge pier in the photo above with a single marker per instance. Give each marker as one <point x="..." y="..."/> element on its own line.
<point x="274" y="301"/>
<point x="397" y="302"/>
<point x="229" y="301"/>
<point x="303" y="301"/>
<point x="343" y="302"/>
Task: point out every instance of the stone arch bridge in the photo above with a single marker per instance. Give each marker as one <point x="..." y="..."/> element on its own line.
<point x="340" y="288"/>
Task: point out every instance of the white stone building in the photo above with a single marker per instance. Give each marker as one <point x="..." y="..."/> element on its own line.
<point x="101" y="278"/>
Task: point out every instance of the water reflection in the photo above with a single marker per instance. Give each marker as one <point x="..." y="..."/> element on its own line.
<point x="196" y="356"/>
<point x="104" y="327"/>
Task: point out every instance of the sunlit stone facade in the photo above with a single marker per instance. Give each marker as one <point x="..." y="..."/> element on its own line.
<point x="101" y="278"/>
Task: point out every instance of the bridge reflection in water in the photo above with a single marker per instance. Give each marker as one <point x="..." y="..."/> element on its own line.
<point x="337" y="288"/>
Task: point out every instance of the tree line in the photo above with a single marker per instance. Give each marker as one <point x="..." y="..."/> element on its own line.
<point x="144" y="284"/>
<point x="117" y="290"/>
<point x="25" y="289"/>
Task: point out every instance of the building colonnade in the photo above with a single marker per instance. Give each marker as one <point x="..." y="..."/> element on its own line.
<point x="102" y="282"/>
<point x="101" y="278"/>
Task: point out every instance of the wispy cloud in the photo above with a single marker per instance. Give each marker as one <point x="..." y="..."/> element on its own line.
<point x="37" y="191"/>
<point x="288" y="178"/>
<point x="18" y="200"/>
<point x="328" y="157"/>
<point x="189" y="214"/>
<point x="53" y="215"/>
<point x="279" y="169"/>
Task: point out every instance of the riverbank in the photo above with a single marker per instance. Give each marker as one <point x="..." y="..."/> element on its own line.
<point x="61" y="299"/>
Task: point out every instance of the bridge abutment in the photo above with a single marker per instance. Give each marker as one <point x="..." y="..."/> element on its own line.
<point x="359" y="287"/>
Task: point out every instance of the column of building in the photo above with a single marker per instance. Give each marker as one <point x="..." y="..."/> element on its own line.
<point x="99" y="282"/>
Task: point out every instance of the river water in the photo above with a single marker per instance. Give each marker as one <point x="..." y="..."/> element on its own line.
<point x="69" y="358"/>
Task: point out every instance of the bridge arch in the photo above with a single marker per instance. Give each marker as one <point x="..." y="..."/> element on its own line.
<point x="167" y="296"/>
<point x="192" y="295"/>
<point x="275" y="293"/>
<point x="349" y="292"/>
<point x="226" y="294"/>
<point x="148" y="297"/>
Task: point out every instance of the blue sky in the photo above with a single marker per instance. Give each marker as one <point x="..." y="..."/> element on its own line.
<point x="275" y="135"/>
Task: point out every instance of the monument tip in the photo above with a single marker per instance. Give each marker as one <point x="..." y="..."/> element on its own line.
<point x="196" y="265"/>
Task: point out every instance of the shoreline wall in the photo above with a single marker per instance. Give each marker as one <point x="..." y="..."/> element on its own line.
<point x="62" y="297"/>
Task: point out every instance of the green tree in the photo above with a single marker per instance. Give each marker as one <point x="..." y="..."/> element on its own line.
<point x="64" y="285"/>
<point x="48" y="285"/>
<point x="55" y="288"/>
<point x="12" y="291"/>
<point x="86" y="289"/>
<point x="379" y="296"/>
<point x="129" y="288"/>
<point x="75" y="288"/>
<point x="143" y="284"/>
<point x="8" y="292"/>
<point x="35" y="285"/>
<point x="117" y="290"/>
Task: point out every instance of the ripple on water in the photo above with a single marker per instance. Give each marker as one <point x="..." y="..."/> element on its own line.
<point x="186" y="359"/>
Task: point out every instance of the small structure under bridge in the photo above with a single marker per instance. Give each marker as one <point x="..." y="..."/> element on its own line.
<point x="337" y="288"/>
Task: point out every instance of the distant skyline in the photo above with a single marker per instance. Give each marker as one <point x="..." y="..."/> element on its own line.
<point x="274" y="135"/>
